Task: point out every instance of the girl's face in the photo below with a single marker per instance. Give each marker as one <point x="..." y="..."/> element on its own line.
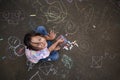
<point x="38" y="42"/>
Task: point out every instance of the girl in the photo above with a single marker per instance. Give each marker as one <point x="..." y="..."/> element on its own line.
<point x="39" y="45"/>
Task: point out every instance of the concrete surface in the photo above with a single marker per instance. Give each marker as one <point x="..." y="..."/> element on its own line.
<point x="94" y="24"/>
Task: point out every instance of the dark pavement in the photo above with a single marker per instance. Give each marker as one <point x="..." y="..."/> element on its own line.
<point x="93" y="24"/>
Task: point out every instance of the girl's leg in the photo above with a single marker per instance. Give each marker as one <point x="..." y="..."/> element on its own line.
<point x="42" y="30"/>
<point x="54" y="55"/>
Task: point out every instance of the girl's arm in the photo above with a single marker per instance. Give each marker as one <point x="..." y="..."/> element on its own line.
<point x="51" y="35"/>
<point x="54" y="45"/>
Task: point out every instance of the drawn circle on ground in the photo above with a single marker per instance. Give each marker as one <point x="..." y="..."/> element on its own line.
<point x="70" y="1"/>
<point x="10" y="53"/>
<point x="85" y="44"/>
<point x="71" y="28"/>
<point x="54" y="14"/>
<point x="19" y="50"/>
<point x="13" y="41"/>
<point x="67" y="61"/>
<point x="17" y="14"/>
<point x="106" y="35"/>
<point x="50" y="1"/>
<point x="5" y="15"/>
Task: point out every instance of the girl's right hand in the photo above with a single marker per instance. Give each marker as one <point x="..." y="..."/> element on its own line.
<point x="60" y="40"/>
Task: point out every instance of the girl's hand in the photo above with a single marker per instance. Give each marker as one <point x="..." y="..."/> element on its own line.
<point x="52" y="35"/>
<point x="60" y="40"/>
<point x="57" y="48"/>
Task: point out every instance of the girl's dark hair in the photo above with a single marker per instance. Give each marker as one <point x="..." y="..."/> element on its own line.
<point x="27" y="39"/>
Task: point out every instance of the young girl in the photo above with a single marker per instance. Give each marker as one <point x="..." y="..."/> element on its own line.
<point x="39" y="45"/>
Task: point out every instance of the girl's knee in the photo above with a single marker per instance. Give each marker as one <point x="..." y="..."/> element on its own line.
<point x="42" y="30"/>
<point x="55" y="56"/>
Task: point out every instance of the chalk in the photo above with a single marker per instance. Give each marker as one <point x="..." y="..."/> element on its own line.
<point x="73" y="42"/>
<point x="94" y="26"/>
<point x="32" y="15"/>
<point x="66" y="34"/>
<point x="1" y="39"/>
<point x="76" y="44"/>
<point x="3" y="57"/>
<point x="69" y="42"/>
<point x="71" y="47"/>
<point x="66" y="48"/>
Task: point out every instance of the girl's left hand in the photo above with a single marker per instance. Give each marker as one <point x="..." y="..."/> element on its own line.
<point x="52" y="35"/>
<point x="57" y="48"/>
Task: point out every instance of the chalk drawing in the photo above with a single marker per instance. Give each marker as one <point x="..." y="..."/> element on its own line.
<point x="46" y="68"/>
<point x="32" y="24"/>
<point x="37" y="6"/>
<point x="1" y="39"/>
<point x="116" y="4"/>
<point x="3" y="57"/>
<point x="80" y="0"/>
<point x="13" y="16"/>
<point x="106" y="35"/>
<point x="30" y="65"/>
<point x="86" y="17"/>
<point x="109" y="54"/>
<point x="16" y="46"/>
<point x="75" y="2"/>
<point x="67" y="61"/>
<point x="13" y="41"/>
<point x="63" y="73"/>
<point x="50" y="2"/>
<point x="6" y="15"/>
<point x="10" y="53"/>
<point x="56" y="13"/>
<point x="76" y="5"/>
<point x="98" y="20"/>
<point x="70" y="27"/>
<point x="10" y="21"/>
<point x="70" y="1"/>
<point x="19" y="50"/>
<point x="3" y="15"/>
<point x="85" y="43"/>
<point x="36" y="76"/>
<point x="103" y="14"/>
<point x="96" y="62"/>
<point x="54" y="71"/>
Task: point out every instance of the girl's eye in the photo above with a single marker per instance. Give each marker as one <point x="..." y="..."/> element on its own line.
<point x="38" y="44"/>
<point x="40" y="39"/>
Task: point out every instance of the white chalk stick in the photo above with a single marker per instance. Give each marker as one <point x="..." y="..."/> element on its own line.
<point x="32" y="15"/>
